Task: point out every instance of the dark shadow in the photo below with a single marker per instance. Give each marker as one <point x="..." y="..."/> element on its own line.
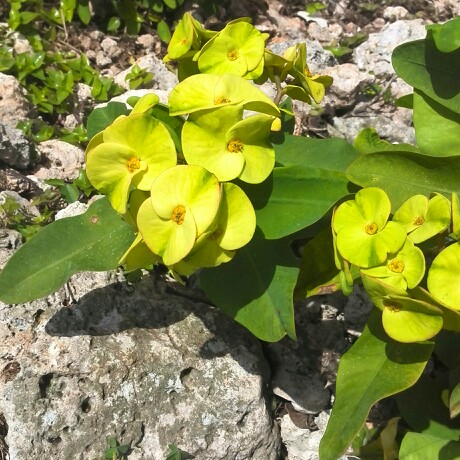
<point x="154" y="304"/>
<point x="442" y="68"/>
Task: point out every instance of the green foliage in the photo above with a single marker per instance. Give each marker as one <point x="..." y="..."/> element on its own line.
<point x="138" y="77"/>
<point x="50" y="80"/>
<point x="375" y="367"/>
<point x="116" y="451"/>
<point x="177" y="454"/>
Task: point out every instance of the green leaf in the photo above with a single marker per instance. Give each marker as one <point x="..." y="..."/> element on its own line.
<point x="102" y="117"/>
<point x="424" y="409"/>
<point x="404" y="174"/>
<point x="416" y="446"/>
<point x="311" y="180"/>
<point x="163" y="31"/>
<point x="447" y="35"/>
<point x="375" y="367"/>
<point x="84" y="11"/>
<point x="368" y="141"/>
<point x="113" y="24"/>
<point x="318" y="272"/>
<point x="177" y="454"/>
<point x="256" y="288"/>
<point x="423" y="66"/>
<point x="437" y="128"/>
<point x="93" y="241"/>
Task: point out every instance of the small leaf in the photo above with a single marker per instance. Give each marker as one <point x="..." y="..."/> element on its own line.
<point x="177" y="454"/>
<point x="113" y="24"/>
<point x="93" y="241"/>
<point x="375" y="367"/>
<point x="163" y="31"/>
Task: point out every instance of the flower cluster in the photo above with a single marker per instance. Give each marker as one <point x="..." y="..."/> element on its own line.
<point x="384" y="254"/>
<point x="171" y="175"/>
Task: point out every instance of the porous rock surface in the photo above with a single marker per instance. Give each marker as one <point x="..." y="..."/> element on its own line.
<point x="140" y="363"/>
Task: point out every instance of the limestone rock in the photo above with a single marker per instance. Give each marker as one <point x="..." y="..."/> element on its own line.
<point x="390" y="126"/>
<point x="59" y="160"/>
<point x="348" y="83"/>
<point x="14" y="106"/>
<point x="138" y="363"/>
<point x="15" y="149"/>
<point x="375" y="53"/>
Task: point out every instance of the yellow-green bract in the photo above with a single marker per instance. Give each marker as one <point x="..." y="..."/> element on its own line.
<point x="131" y="152"/>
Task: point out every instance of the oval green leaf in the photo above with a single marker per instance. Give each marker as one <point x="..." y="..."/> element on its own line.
<point x="93" y="241"/>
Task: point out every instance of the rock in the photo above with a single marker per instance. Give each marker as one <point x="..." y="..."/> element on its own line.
<point x="395" y="13"/>
<point x="59" y="160"/>
<point x="375" y="53"/>
<point x="14" y="106"/>
<point x="318" y="59"/>
<point x="73" y="209"/>
<point x="329" y="34"/>
<point x="303" y="444"/>
<point x="10" y="179"/>
<point x="447" y="8"/>
<point x="302" y="369"/>
<point x="147" y="41"/>
<point x="348" y="83"/>
<point x="12" y="204"/>
<point x="138" y="363"/>
<point x="10" y="240"/>
<point x="388" y="126"/>
<point x="15" y="149"/>
<point x="163" y="78"/>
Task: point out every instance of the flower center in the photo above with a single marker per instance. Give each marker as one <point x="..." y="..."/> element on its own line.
<point x="419" y="220"/>
<point x="371" y="229"/>
<point x="222" y="100"/>
<point x="133" y="164"/>
<point x="178" y="214"/>
<point x="235" y="146"/>
<point x="396" y="266"/>
<point x="307" y="72"/>
<point x="184" y="41"/>
<point x="232" y="55"/>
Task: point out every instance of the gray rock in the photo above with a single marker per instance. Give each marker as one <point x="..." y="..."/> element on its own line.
<point x="59" y="160"/>
<point x="389" y="126"/>
<point x="10" y="240"/>
<point x="73" y="209"/>
<point x="375" y="53"/>
<point x="14" y="205"/>
<point x="303" y="370"/>
<point x="138" y="363"/>
<point x="303" y="444"/>
<point x="348" y="83"/>
<point x="395" y="13"/>
<point x="318" y="59"/>
<point x="10" y="179"/>
<point x="15" y="149"/>
<point x="163" y="78"/>
<point x="14" y="106"/>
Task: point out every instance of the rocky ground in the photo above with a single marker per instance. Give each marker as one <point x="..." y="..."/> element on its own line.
<point x="152" y="363"/>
